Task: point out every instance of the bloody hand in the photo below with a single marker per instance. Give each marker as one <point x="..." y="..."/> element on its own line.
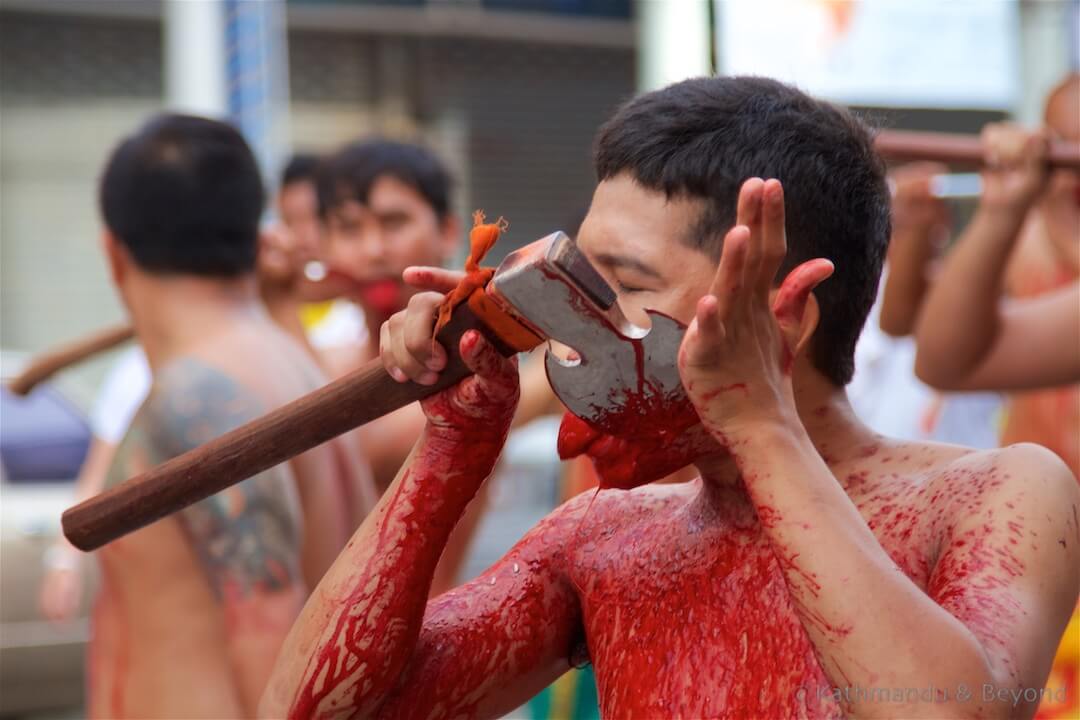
<point x="736" y="357"/>
<point x="484" y="402"/>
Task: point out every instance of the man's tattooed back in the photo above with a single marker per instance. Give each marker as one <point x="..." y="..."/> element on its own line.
<point x="247" y="537"/>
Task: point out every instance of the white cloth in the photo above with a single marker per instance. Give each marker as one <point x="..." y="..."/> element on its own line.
<point x="122" y="393"/>
<point x="890" y="399"/>
<point x="343" y="325"/>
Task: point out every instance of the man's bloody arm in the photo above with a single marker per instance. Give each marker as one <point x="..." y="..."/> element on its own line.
<point x="997" y="599"/>
<point x="367" y="629"/>
<point x="368" y="643"/>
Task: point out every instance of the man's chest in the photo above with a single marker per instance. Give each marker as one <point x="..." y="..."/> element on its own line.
<point x="700" y="625"/>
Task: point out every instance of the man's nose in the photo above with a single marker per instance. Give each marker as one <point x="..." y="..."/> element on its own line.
<point x="372" y="244"/>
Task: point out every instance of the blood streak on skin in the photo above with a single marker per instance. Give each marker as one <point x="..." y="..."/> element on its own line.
<point x="355" y="664"/>
<point x="720" y="637"/>
<point x="113" y="595"/>
<point x="667" y="441"/>
<point x="650" y="557"/>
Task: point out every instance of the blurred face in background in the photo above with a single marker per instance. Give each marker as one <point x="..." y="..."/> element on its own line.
<point x="374" y="242"/>
<point x="1061" y="203"/>
<point x="298" y="207"/>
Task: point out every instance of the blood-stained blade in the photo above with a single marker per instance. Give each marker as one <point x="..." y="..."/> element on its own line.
<point x="623" y="372"/>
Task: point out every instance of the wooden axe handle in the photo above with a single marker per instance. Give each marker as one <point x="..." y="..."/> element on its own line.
<point x="953" y="148"/>
<point x="357" y="398"/>
<point x="47" y="364"/>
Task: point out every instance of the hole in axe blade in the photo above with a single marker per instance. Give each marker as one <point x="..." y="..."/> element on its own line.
<point x="563" y="354"/>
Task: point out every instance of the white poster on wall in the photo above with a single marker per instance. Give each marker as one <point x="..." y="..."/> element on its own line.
<point x="889" y="53"/>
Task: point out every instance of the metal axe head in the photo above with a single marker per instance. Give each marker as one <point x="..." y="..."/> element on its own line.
<point x="623" y="373"/>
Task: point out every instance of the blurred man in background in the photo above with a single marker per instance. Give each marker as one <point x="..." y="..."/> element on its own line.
<point x="304" y="308"/>
<point x="1024" y="240"/>
<point x="122" y="392"/>
<point x="385" y="206"/>
<point x="885" y="392"/>
<point x="298" y="201"/>
<point x="194" y="607"/>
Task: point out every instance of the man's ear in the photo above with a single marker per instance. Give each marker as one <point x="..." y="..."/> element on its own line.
<point x="116" y="256"/>
<point x="795" y="307"/>
<point x="450" y="236"/>
<point x="808" y="325"/>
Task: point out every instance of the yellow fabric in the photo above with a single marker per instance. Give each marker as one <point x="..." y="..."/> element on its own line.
<point x="1062" y="696"/>
<point x="311" y="314"/>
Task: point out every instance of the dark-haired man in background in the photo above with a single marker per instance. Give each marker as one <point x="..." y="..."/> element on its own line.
<point x="385" y="206"/>
<point x="309" y="307"/>
<point x="193" y="608"/>
<point x="298" y="200"/>
<point x="815" y="569"/>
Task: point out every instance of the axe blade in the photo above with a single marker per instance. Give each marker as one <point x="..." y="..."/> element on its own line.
<point x="624" y="373"/>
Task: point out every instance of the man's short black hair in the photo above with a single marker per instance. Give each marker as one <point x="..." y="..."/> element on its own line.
<point x="301" y="167"/>
<point x="350" y="173"/>
<point x="704" y="137"/>
<point x="184" y="196"/>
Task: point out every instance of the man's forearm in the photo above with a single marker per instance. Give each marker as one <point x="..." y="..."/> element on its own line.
<point x="870" y="623"/>
<point x="959" y="320"/>
<point x="358" y="629"/>
<point x="911" y="250"/>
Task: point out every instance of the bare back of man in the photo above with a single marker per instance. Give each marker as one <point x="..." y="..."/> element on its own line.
<point x="204" y="599"/>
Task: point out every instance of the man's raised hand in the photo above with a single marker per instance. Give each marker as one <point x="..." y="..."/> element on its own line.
<point x="736" y="357"/>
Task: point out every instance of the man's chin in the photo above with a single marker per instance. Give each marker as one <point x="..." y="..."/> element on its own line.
<point x="627" y="463"/>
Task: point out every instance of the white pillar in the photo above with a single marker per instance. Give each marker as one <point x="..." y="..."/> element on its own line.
<point x="673" y="41"/>
<point x="194" y="43"/>
<point x="1046" y="34"/>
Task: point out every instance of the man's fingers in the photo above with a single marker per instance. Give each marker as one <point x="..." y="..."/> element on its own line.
<point x="416" y="354"/>
<point x="413" y="368"/>
<point x="387" y="356"/>
<point x="795" y="291"/>
<point x="705" y="333"/>
<point x="728" y="282"/>
<point x="432" y="278"/>
<point x="749" y="213"/>
<point x="1035" y="149"/>
<point x="482" y="358"/>
<point x="773" y="235"/>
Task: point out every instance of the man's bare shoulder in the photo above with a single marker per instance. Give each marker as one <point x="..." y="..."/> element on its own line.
<point x="192" y="402"/>
<point x="1014" y="476"/>
<point x="247" y="535"/>
<point x="1024" y="495"/>
<point x="596" y="510"/>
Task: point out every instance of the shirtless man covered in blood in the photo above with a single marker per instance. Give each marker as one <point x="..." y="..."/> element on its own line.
<point x="815" y="569"/>
<point x="193" y="608"/>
